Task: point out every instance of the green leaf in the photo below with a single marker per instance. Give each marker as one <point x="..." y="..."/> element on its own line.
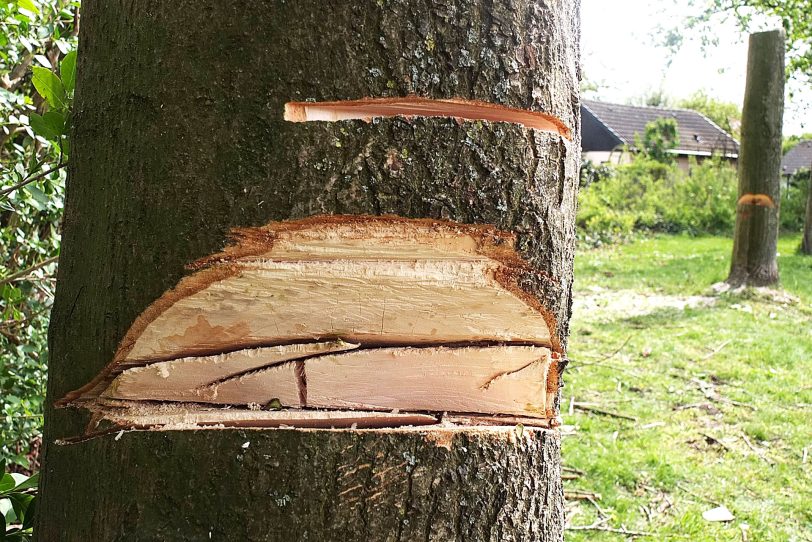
<point x="30" y="514"/>
<point x="28" y="5"/>
<point x="38" y="195"/>
<point x="51" y="125"/>
<point x="7" y="483"/>
<point x="50" y="87"/>
<point x="31" y="482"/>
<point x="65" y="146"/>
<point x="67" y="70"/>
<point x="20" y="503"/>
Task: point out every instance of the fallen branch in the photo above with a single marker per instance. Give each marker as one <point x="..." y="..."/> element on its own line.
<point x="759" y="453"/>
<point x="700" y="497"/>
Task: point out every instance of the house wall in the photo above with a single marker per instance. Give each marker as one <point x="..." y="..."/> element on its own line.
<point x="619" y="157"/>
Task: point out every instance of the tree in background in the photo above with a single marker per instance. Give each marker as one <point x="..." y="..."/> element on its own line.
<point x="36" y="36"/>
<point x="792" y="140"/>
<point x="794" y="17"/>
<point x="755" y="240"/>
<point x="660" y="137"/>
<point x="806" y="242"/>
<point x="726" y="115"/>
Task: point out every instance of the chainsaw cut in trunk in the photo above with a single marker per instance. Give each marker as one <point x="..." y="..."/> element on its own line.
<point x="343" y="312"/>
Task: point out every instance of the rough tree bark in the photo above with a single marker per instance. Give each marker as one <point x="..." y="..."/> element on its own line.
<point x="756" y="236"/>
<point x="179" y="136"/>
<point x="806" y="243"/>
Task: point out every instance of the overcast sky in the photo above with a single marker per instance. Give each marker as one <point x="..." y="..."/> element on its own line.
<point x="620" y="55"/>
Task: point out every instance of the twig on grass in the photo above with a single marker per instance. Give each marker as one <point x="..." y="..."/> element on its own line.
<point x="760" y="453"/>
<point x="600" y="526"/>
<point x="581" y="406"/>
<point x="575" y="495"/>
<point x="717" y="441"/>
<point x="573" y="470"/>
<point x="716" y="350"/>
<point x="700" y="497"/>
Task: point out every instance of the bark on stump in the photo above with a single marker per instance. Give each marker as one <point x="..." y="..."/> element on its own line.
<point x="179" y="136"/>
<point x="756" y="236"/>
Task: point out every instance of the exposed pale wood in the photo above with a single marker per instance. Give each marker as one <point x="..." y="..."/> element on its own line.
<point x="182" y="379"/>
<point x="191" y="416"/>
<point x="485" y="420"/>
<point x="415" y="106"/>
<point x="375" y="281"/>
<point x="372" y="281"/>
<point x="370" y="302"/>
<point x="500" y="379"/>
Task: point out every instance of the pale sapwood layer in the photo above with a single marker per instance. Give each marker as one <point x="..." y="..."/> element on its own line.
<point x="488" y="380"/>
<point x="373" y="281"/>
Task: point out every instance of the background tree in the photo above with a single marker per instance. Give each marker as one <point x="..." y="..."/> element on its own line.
<point x="756" y="235"/>
<point x="749" y="15"/>
<point x="792" y="140"/>
<point x="659" y="138"/>
<point x="726" y="115"/>
<point x="178" y="136"/>
<point x="806" y="242"/>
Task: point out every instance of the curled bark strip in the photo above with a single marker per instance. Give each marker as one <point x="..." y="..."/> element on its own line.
<point x="414" y="106"/>
<point x="759" y="200"/>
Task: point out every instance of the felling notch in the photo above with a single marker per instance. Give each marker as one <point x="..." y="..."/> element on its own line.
<point x="344" y="313"/>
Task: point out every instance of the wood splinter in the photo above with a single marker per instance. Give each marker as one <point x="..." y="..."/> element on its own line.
<point x="342" y="313"/>
<point x="415" y="106"/>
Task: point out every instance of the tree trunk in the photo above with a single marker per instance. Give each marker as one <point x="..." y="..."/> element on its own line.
<point x="756" y="237"/>
<point x="179" y="136"/>
<point x="806" y="243"/>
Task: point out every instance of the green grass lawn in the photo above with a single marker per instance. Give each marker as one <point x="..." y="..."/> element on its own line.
<point x="720" y="387"/>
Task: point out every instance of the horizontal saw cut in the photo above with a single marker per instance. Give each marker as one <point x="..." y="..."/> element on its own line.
<point x="414" y="106"/>
<point x="349" y="313"/>
<point x="499" y="379"/>
<point x="187" y="379"/>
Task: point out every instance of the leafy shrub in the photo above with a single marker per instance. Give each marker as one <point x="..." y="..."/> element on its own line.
<point x="647" y="195"/>
<point x="793" y="202"/>
<point x="17" y="505"/>
<point x="37" y="36"/>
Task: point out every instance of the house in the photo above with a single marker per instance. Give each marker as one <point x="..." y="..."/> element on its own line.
<point x="799" y="157"/>
<point x="609" y="133"/>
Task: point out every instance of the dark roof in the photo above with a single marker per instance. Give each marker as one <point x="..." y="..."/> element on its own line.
<point x="607" y="126"/>
<point x="799" y="156"/>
